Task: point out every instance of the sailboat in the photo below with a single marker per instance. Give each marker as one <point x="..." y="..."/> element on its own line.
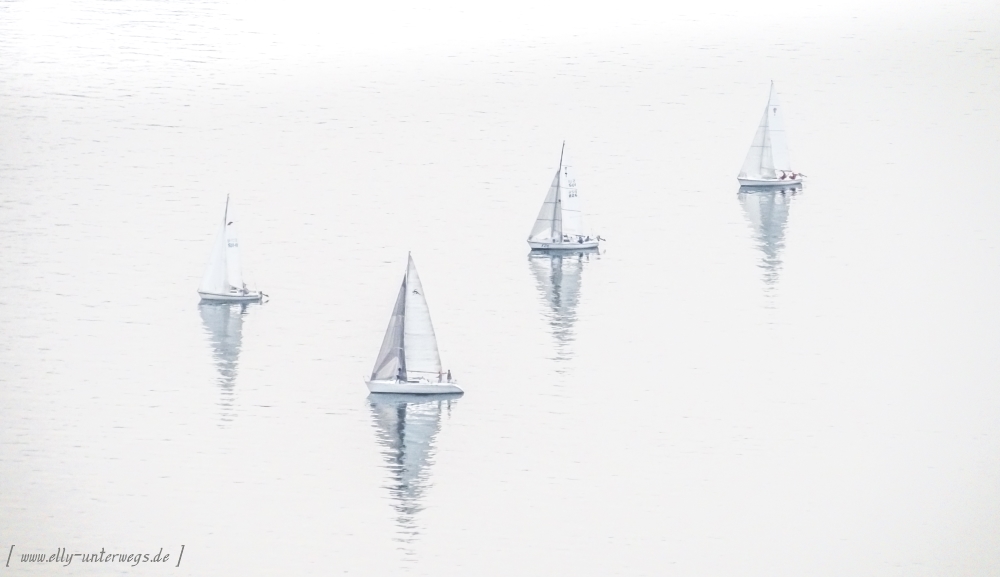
<point x="559" y="225"/>
<point x="223" y="280"/>
<point x="408" y="361"/>
<point x="767" y="162"/>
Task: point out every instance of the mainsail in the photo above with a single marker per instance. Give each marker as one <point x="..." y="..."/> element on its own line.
<point x="419" y="342"/>
<point x="234" y="272"/>
<point x="769" y="150"/>
<point x="214" y="280"/>
<point x="409" y="342"/>
<point x="224" y="270"/>
<point x="571" y="205"/>
<point x="776" y="131"/>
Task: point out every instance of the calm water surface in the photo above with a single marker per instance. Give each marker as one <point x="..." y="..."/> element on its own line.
<point x="736" y="384"/>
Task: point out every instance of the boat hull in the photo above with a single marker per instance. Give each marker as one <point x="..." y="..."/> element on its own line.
<point x="535" y="245"/>
<point x="231" y="298"/>
<point x="412" y="388"/>
<point x="769" y="182"/>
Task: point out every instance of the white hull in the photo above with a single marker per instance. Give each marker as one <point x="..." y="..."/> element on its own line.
<point x="412" y="387"/>
<point x="231" y="298"/>
<point x="769" y="182"/>
<point x="562" y="245"/>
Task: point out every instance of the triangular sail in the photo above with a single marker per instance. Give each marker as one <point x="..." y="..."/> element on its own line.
<point x="419" y="342"/>
<point x="234" y="271"/>
<point x="758" y="163"/>
<point x="214" y="280"/>
<point x="391" y="357"/>
<point x="776" y="132"/>
<point x="570" y="204"/>
<point x="548" y="226"/>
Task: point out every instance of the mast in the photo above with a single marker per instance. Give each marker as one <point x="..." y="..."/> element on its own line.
<point x="402" y="328"/>
<point x="225" y="254"/>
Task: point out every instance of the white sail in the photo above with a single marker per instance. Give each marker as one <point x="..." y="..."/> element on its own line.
<point x="419" y="342"/>
<point x="548" y="225"/>
<point x="214" y="280"/>
<point x="759" y="163"/>
<point x="776" y="132"/>
<point x="768" y="153"/>
<point x="234" y="272"/>
<point x="570" y="204"/>
<point x="391" y="357"/>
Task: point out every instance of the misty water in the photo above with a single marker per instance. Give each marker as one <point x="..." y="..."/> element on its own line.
<point x="736" y="384"/>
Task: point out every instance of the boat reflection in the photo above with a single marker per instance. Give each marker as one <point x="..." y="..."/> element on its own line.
<point x="558" y="275"/>
<point x="767" y="211"/>
<point x="405" y="427"/>
<point x="224" y="325"/>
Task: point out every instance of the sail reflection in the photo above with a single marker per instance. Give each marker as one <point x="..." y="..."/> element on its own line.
<point x="405" y="427"/>
<point x="224" y="325"/>
<point x="558" y="275"/>
<point x="767" y="211"/>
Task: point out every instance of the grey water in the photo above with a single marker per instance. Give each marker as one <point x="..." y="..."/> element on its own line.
<point x="736" y="384"/>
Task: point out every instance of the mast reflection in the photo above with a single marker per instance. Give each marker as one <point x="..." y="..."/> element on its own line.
<point x="558" y="276"/>
<point x="224" y="324"/>
<point x="767" y="212"/>
<point x="405" y="427"/>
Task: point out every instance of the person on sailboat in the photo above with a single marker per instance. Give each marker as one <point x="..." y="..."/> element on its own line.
<point x="449" y="375"/>
<point x="400" y="375"/>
